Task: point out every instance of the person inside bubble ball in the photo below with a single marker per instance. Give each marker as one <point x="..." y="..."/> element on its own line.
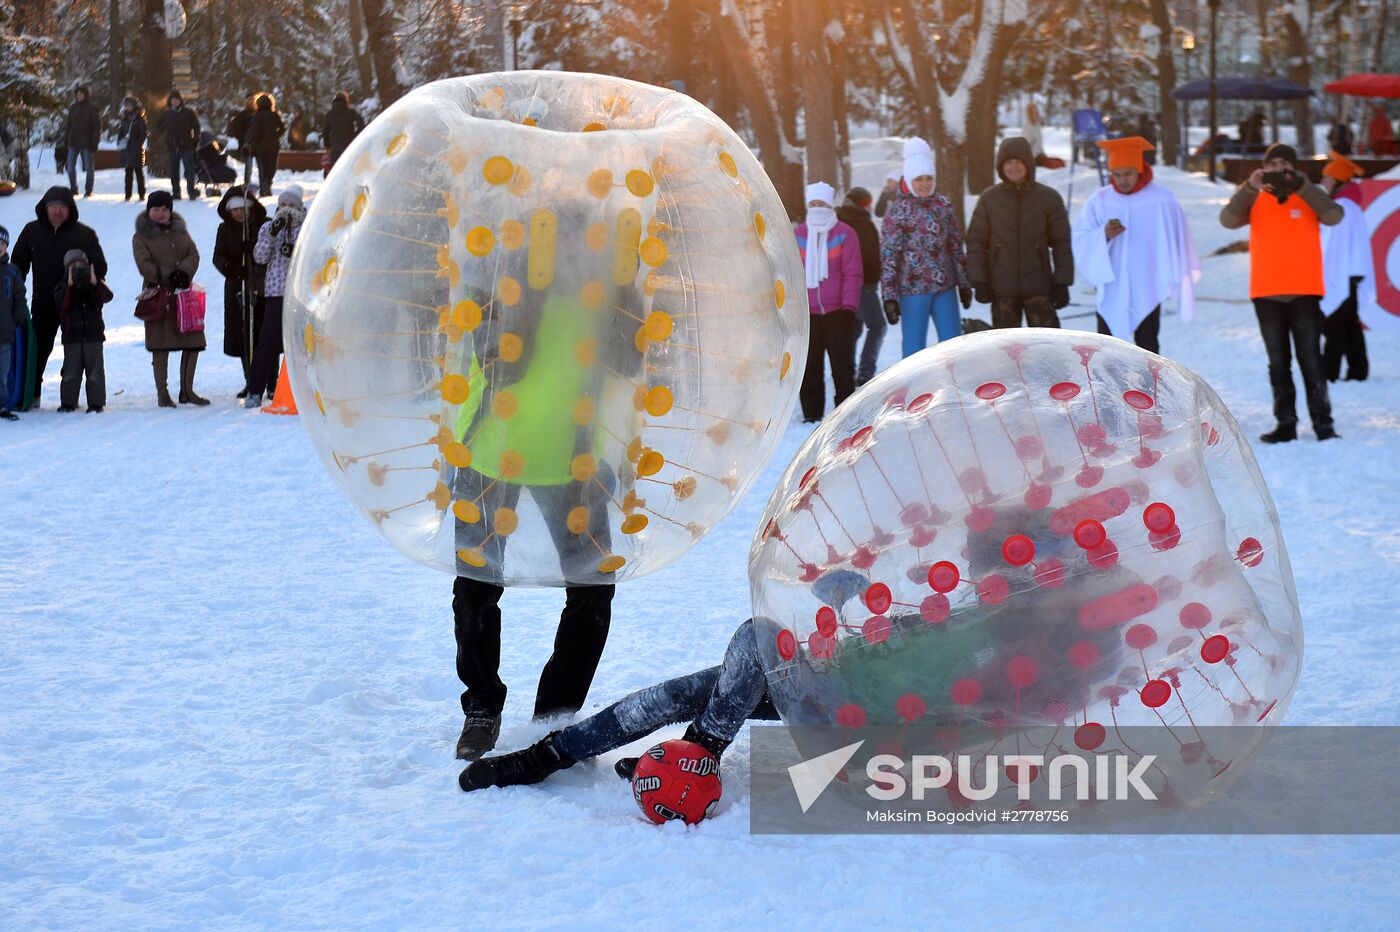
<point x="976" y="640"/>
<point x="529" y="426"/>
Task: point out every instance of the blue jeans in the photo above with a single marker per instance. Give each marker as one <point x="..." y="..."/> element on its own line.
<point x="718" y="700"/>
<point x="187" y="157"/>
<point x="872" y="315"/>
<point x="915" y="311"/>
<point x="73" y="155"/>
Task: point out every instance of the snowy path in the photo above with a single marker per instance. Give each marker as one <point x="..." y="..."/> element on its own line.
<point x="225" y="702"/>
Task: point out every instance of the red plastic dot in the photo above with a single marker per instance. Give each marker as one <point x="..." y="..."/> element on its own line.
<point x="910" y="708"/>
<point x="1063" y="391"/>
<point x="1140" y="637"/>
<point x="878" y="598"/>
<point x="1021" y="671"/>
<point x="826" y="621"/>
<point x="1139" y="400"/>
<point x="1018" y="550"/>
<point x="876" y="629"/>
<point x="1083" y="655"/>
<point x="821" y="647"/>
<point x="916" y="513"/>
<point x="993" y="590"/>
<point x="850" y="715"/>
<point x="862" y="435"/>
<point x="1168" y="588"/>
<point x="966" y="691"/>
<point x="1038" y="495"/>
<point x="1165" y="540"/>
<point x="1103" y="556"/>
<point x="1089" y="534"/>
<point x="989" y="391"/>
<point x="1089" y="736"/>
<point x="1028" y="447"/>
<point x="943" y="576"/>
<point x="787" y="644"/>
<point x="1250" y="552"/>
<point x="1092" y="435"/>
<point x="935" y="608"/>
<point x="980" y="519"/>
<point x="1194" y="615"/>
<point x="1155" y="694"/>
<point x="1158" y="516"/>
<point x="972" y="479"/>
<point x="1215" y="648"/>
<point x="922" y="535"/>
<point x="807" y="478"/>
<point x="1050" y="574"/>
<point x="863" y="558"/>
<point x="1088" y="477"/>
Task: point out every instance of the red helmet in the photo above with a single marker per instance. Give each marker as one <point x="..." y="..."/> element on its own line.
<point x="676" y="780"/>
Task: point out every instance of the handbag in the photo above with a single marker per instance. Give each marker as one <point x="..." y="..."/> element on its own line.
<point x="190" y="305"/>
<point x="155" y="303"/>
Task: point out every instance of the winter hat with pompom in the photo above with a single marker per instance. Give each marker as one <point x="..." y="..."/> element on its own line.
<point x="291" y="197"/>
<point x="918" y="159"/>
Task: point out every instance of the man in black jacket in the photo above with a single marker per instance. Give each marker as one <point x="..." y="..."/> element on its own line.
<point x="1018" y="244"/>
<point x="855" y="213"/>
<point x="343" y="124"/>
<point x="181" y="127"/>
<point x="81" y="132"/>
<point x="41" y="247"/>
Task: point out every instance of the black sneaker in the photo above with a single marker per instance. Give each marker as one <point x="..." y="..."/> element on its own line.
<point x="1327" y="433"/>
<point x="1280" y="434"/>
<point x="95" y="409"/>
<point x="518" y="768"/>
<point x="67" y="409"/>
<point x="479" y="733"/>
<point x="625" y="767"/>
<point x="7" y="415"/>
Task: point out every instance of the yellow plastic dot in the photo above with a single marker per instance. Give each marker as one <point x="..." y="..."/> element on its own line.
<point x="600" y="183"/>
<point x="633" y="523"/>
<point x="584" y="412"/>
<point x="596" y="236"/>
<point x="458" y="455"/>
<point x="659" y="325"/>
<point x="397" y="144"/>
<point x="640" y="339"/>
<point x="512" y="234"/>
<point x="726" y="162"/>
<point x="473" y="557"/>
<point x="511" y="346"/>
<point x="586" y="352"/>
<point x="512" y="464"/>
<point x="639" y="398"/>
<point x="444" y="438"/>
<point x="593" y="127"/>
<point x="583" y="467"/>
<point x="656" y="226"/>
<point x="653" y="251"/>
<point x="440" y="496"/>
<point x="331" y="270"/>
<point x="759" y="225"/>
<point x="520" y="181"/>
<point x="508" y="290"/>
<point x="504" y="405"/>
<point x="577" y="520"/>
<point x="659" y="400"/>
<point x="480" y="241"/>
<point x="684" y="488"/>
<point x="336" y="222"/>
<point x="357" y="209"/>
<point x="530" y="121"/>
<point x="466" y="315"/>
<point x="779" y="294"/>
<point x="456" y="160"/>
<point x="505" y="522"/>
<point x="787" y="364"/>
<point x="635" y="450"/>
<point x="309" y="337"/>
<point x="466" y="512"/>
<point x="497" y="169"/>
<point x="455" y="388"/>
<point x="650" y="284"/>
<point x="650" y="463"/>
<point x="593" y="294"/>
<point x="610" y="564"/>
<point x="639" y="183"/>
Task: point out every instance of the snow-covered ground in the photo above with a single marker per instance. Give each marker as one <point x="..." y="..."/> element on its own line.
<point x="226" y="702"/>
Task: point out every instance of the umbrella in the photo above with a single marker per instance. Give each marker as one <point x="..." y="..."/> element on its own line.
<point x="1366" y="85"/>
<point x="1243" y="89"/>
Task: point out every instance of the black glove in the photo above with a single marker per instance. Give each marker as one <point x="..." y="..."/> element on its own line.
<point x="965" y="297"/>
<point x="278" y="225"/>
<point x="892" y="312"/>
<point x="983" y="293"/>
<point x="179" y="279"/>
<point x="1059" y="296"/>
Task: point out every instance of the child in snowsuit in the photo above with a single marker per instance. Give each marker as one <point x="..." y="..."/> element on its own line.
<point x="79" y="297"/>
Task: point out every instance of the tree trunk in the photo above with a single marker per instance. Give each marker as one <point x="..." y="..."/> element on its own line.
<point x="786" y="86"/>
<point x="819" y="117"/>
<point x="681" y="22"/>
<point x="1300" y="73"/>
<point x="364" y="68"/>
<point x="1378" y="50"/>
<point x="379" y="36"/>
<point x="836" y="52"/>
<point x="982" y="118"/>
<point x="726" y="102"/>
<point x="116" y="63"/>
<point x="1168" y="130"/>
<point x="155" y="80"/>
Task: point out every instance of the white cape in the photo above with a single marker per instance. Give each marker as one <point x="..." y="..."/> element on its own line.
<point x="1346" y="254"/>
<point x="1153" y="258"/>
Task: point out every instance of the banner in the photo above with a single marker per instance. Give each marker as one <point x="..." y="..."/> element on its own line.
<point x="1381" y="202"/>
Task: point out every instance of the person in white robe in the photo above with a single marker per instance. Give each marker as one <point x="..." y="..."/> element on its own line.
<point x="1348" y="274"/>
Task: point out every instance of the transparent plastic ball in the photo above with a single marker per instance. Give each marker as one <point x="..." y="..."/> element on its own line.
<point x="1027" y="528"/>
<point x="543" y="327"/>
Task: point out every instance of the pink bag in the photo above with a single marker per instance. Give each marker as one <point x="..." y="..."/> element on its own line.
<point x="190" y="313"/>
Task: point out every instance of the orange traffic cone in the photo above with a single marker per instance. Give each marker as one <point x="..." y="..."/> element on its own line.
<point x="282" y="400"/>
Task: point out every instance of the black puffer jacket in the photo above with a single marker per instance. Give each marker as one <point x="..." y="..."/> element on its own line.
<point x="1018" y="242"/>
<point x="265" y="128"/>
<point x="243" y="277"/>
<point x="342" y="126"/>
<point x="859" y="220"/>
<point x="83" y="130"/>
<point x="41" y="248"/>
<point x="181" y="128"/>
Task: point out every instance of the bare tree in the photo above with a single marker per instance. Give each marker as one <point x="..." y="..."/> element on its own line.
<point x="155" y="79"/>
<point x="1298" y="19"/>
<point x="819" y="105"/>
<point x="1166" y="82"/>
<point x="379" y="37"/>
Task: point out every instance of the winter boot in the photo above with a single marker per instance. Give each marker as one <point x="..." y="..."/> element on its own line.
<point x="188" y="360"/>
<point x="1283" y="433"/>
<point x="253" y="400"/>
<point x="519" y="768"/>
<point x="625" y="767"/>
<point x="480" y="730"/>
<point x="160" y="364"/>
<point x="1327" y="433"/>
<point x="710" y="743"/>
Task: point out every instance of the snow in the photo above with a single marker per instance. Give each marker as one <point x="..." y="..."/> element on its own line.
<point x="228" y="703"/>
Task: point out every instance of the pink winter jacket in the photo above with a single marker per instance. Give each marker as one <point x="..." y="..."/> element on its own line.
<point x="845" y="275"/>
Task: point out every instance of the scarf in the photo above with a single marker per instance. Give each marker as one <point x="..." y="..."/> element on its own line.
<point x="820" y="220"/>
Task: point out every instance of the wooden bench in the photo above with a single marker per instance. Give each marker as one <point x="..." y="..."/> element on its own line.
<point x="1237" y="170"/>
<point x="287" y="160"/>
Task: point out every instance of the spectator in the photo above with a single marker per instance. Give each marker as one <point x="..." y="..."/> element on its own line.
<point x="1286" y="281"/>
<point x="80" y="297"/>
<point x="1018" y="244"/>
<point x="1347" y="265"/>
<point x="82" y="130"/>
<point x="855" y="213"/>
<point x="831" y="257"/>
<point x="273" y="249"/>
<point x="1340" y="138"/>
<point x="238" y="128"/>
<point x="923" y="272"/>
<point x="41" y="246"/>
<point x="13" y="314"/>
<point x="1382" y="135"/>
<point x="131" y="142"/>
<point x="166" y="257"/>
<point x="1031" y="132"/>
<point x="343" y="124"/>
<point x="181" y="127"/>
<point x="893" y="186"/>
<point x="243" y="218"/>
<point x="265" y="138"/>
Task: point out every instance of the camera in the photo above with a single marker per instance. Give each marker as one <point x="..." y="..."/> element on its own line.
<point x="1283" y="183"/>
<point x="82" y="274"/>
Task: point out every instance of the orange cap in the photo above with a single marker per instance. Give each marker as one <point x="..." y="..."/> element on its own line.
<point x="1126" y="152"/>
<point x="1342" y="168"/>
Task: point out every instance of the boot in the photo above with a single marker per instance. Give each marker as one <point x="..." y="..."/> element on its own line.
<point x="1283" y="433"/>
<point x="519" y="768"/>
<point x="188" y="360"/>
<point x="480" y="729"/>
<point x="1326" y="433"/>
<point x="710" y="743"/>
<point x="160" y="363"/>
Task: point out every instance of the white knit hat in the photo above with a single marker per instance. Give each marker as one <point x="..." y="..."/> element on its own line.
<point x="918" y="159"/>
<point x="821" y="191"/>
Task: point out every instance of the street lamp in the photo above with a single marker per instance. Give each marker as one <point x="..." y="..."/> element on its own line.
<point x="1214" y="124"/>
<point x="515" y="15"/>
<point x="1188" y="46"/>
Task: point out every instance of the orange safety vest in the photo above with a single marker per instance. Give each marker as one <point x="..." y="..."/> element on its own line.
<point x="1285" y="248"/>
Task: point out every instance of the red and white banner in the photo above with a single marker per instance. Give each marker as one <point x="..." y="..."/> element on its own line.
<point x="1381" y="202"/>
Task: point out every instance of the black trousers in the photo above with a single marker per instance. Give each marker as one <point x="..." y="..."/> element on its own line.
<point x="833" y="337"/>
<point x="45" y="332"/>
<point x="1037" y="309"/>
<point x="267" y="168"/>
<point x="1345" y="338"/>
<point x="1301" y="320"/>
<point x="263" y="376"/>
<point x="179" y="157"/>
<point x="135" y="173"/>
<point x="1145" y="335"/>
